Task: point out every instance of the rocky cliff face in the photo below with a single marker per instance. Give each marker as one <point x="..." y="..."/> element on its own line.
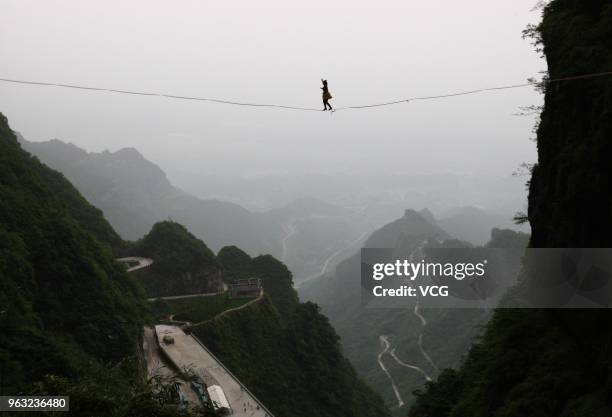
<point x="570" y="200"/>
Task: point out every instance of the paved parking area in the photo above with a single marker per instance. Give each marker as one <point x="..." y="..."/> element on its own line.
<point x="187" y="353"/>
<point x="157" y="365"/>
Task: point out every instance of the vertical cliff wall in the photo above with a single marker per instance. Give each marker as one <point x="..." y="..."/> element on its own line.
<point x="570" y="200"/>
<point x="553" y="363"/>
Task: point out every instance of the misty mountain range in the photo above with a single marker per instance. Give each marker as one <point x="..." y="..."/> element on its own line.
<point x="310" y="234"/>
<point x="134" y="194"/>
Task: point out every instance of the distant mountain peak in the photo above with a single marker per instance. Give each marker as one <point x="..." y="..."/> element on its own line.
<point x="412" y="214"/>
<point x="411" y="224"/>
<point x="129" y="152"/>
<point x="427" y="215"/>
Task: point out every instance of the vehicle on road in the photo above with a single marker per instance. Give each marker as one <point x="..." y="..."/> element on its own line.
<point x="218" y="399"/>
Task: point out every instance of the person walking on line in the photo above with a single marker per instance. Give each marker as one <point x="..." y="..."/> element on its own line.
<point x="326" y="96"/>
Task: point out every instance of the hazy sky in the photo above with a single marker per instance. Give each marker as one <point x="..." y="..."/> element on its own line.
<point x="276" y="52"/>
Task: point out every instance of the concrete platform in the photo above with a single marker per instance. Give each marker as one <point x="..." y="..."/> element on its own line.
<point x="188" y="353"/>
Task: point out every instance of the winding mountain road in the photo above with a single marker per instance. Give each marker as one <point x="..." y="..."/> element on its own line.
<point x="141" y="262"/>
<point x="420" y="339"/>
<point x="245" y="305"/>
<point x="407" y="365"/>
<point x="333" y="256"/>
<point x="201" y="294"/>
<point x="290" y="228"/>
<point x="385" y="345"/>
<point x="419" y="252"/>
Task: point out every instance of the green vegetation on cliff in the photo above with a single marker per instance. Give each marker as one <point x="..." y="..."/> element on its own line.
<point x="196" y="309"/>
<point x="64" y="301"/>
<point x="182" y="263"/>
<point x="292" y="362"/>
<point x="276" y="278"/>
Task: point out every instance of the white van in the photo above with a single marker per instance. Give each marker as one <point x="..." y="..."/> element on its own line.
<point x="218" y="399"/>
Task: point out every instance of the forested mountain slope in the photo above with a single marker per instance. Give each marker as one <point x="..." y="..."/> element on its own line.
<point x="182" y="263"/>
<point x="286" y="351"/>
<point x="64" y="301"/>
